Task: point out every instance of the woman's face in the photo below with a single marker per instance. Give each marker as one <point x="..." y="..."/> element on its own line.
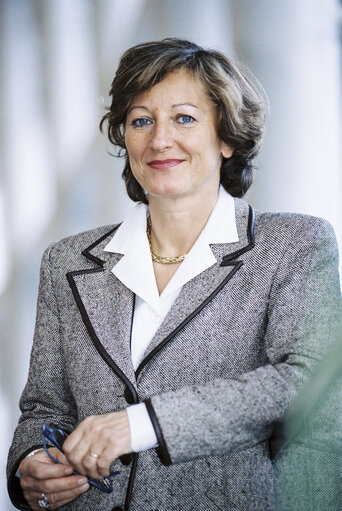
<point x="171" y="139"/>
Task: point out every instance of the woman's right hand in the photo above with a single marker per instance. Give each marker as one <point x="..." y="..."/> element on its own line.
<point x="39" y="474"/>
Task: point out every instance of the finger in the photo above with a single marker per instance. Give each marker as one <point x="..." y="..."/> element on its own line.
<point x="41" y="469"/>
<point x="36" y="487"/>
<point x="106" y="435"/>
<point x="76" y="458"/>
<point x="57" y="485"/>
<point x="98" y="467"/>
<point x="60" y="456"/>
<point x="76" y="436"/>
<point x="75" y="447"/>
<point x="96" y="461"/>
<point x="108" y="452"/>
<point x="58" y="498"/>
<point x="114" y="441"/>
<point x="92" y="466"/>
<point x="33" y="499"/>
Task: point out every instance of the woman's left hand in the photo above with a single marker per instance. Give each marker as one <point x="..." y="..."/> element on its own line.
<point x="97" y="442"/>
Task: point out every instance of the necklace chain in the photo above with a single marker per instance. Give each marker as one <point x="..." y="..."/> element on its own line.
<point x="157" y="258"/>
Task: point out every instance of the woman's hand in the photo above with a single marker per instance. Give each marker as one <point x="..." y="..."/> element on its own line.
<point x="97" y="442"/>
<point x="39" y="474"/>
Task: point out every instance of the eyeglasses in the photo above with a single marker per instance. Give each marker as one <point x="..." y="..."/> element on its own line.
<point x="57" y="437"/>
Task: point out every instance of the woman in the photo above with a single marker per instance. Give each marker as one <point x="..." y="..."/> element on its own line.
<point x="183" y="332"/>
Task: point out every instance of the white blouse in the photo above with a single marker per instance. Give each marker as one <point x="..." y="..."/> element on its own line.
<point x="135" y="271"/>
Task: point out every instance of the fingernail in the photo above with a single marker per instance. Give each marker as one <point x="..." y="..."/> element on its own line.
<point x="68" y="470"/>
<point x="85" y="487"/>
<point x="82" y="481"/>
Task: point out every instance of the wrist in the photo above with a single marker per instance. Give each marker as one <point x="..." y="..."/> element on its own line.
<point x="32" y="453"/>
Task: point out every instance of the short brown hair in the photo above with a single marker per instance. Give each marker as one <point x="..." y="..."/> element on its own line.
<point x="238" y="97"/>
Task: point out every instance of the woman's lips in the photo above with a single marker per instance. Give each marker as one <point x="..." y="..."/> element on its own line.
<point x="164" y="164"/>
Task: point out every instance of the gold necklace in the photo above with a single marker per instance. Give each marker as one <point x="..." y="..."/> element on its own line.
<point x="157" y="258"/>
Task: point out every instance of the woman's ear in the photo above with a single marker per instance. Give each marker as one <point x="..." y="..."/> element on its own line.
<point x="226" y="150"/>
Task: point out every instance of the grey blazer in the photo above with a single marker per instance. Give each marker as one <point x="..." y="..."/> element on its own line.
<point x="219" y="372"/>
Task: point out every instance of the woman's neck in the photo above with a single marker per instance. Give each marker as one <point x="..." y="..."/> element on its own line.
<point x="177" y="223"/>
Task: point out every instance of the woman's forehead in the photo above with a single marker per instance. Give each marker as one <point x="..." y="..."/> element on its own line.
<point x="180" y="87"/>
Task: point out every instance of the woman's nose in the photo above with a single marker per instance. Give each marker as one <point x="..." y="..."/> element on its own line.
<point x="161" y="137"/>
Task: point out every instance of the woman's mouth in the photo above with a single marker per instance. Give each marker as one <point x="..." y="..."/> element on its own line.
<point x="164" y="164"/>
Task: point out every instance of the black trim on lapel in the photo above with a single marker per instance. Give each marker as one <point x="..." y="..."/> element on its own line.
<point x="92" y="257"/>
<point x="237" y="265"/>
<point x="125" y="459"/>
<point x="250" y="237"/>
<point x="96" y="342"/>
<point x="106" y="357"/>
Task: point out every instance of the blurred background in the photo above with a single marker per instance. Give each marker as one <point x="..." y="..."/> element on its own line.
<point x="57" y="60"/>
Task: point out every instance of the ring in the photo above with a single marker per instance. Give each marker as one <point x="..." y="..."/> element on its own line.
<point x="93" y="454"/>
<point x="43" y="502"/>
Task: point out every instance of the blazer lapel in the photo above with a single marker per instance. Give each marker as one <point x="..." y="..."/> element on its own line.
<point x="106" y="306"/>
<point x="201" y="290"/>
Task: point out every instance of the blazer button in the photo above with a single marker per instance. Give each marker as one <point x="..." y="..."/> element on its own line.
<point x="128" y="396"/>
<point x="126" y="458"/>
<point x="117" y="508"/>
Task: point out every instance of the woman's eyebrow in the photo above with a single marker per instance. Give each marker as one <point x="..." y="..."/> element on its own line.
<point x="137" y="106"/>
<point x="173" y="106"/>
<point x="184" y="104"/>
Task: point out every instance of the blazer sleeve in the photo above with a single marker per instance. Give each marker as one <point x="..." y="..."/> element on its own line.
<point x="46" y="397"/>
<point x="227" y="415"/>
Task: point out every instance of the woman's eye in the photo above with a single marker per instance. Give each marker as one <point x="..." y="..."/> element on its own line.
<point x="141" y="122"/>
<point x="185" y="119"/>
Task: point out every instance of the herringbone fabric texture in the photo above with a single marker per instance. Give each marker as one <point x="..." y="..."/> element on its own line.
<point x="217" y="386"/>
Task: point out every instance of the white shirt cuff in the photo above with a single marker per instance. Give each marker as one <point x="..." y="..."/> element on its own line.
<point x="143" y="436"/>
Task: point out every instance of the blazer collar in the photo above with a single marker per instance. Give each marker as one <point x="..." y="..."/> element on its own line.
<point x="106" y="305"/>
<point x="95" y="252"/>
<point x="244" y="215"/>
<point x="244" y="218"/>
<point x="135" y="268"/>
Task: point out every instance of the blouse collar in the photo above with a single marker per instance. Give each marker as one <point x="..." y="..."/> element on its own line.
<point x="135" y="269"/>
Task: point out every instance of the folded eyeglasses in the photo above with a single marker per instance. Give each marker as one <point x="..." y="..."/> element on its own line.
<point x="56" y="437"/>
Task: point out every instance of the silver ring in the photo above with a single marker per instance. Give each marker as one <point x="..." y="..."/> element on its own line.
<point x="43" y="502"/>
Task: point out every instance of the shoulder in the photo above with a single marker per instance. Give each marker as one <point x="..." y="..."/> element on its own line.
<point x="72" y="247"/>
<point x="295" y="236"/>
<point x="294" y="227"/>
<point x="83" y="240"/>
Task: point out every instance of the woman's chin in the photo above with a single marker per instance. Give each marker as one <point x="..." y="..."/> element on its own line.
<point x="170" y="192"/>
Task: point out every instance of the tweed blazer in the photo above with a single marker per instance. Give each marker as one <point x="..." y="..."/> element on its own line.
<point x="219" y="372"/>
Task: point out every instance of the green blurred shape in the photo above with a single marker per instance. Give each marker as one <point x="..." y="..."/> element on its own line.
<point x="307" y="444"/>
